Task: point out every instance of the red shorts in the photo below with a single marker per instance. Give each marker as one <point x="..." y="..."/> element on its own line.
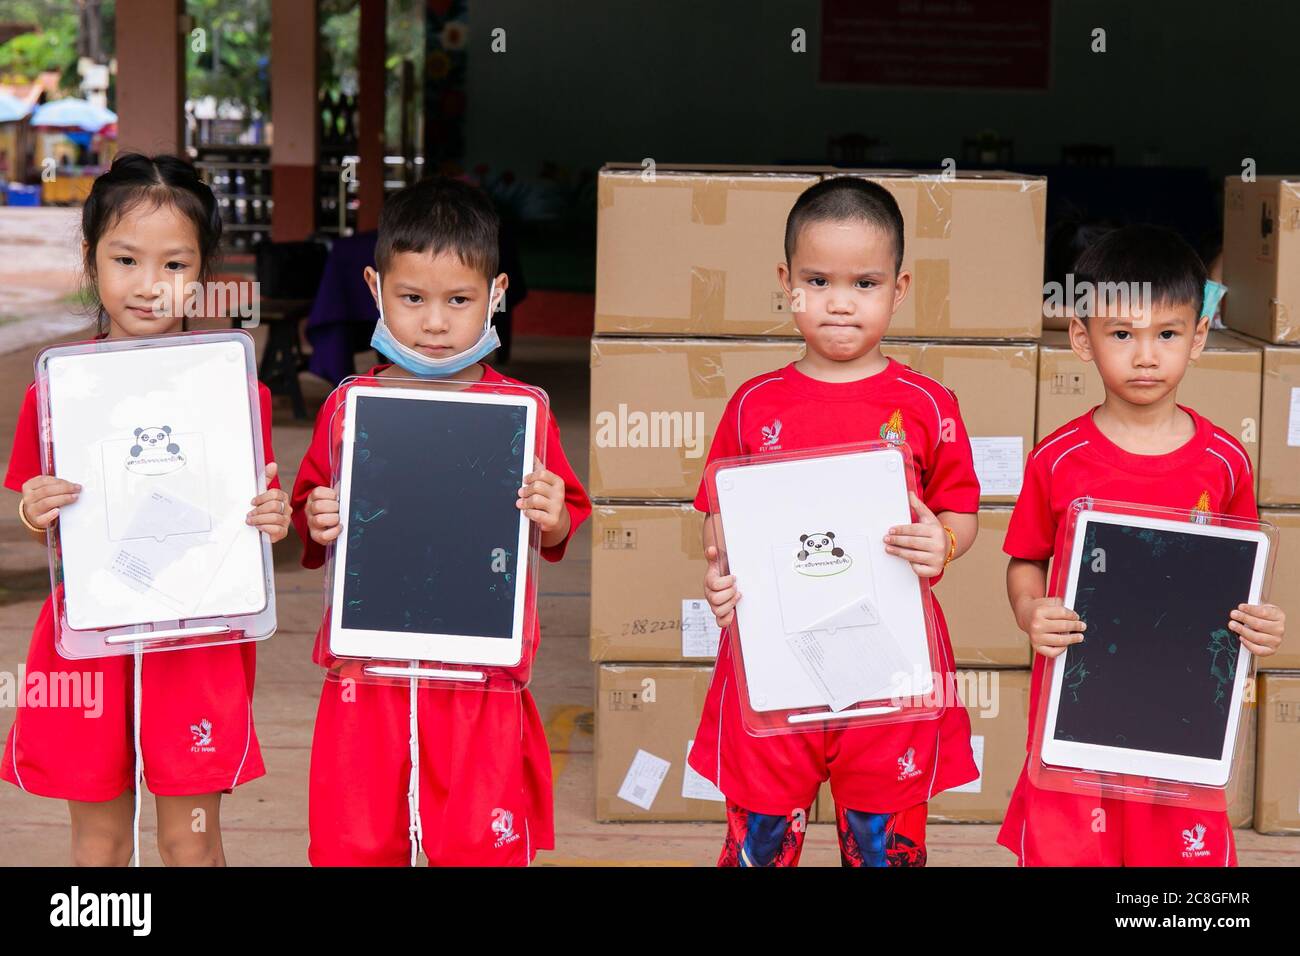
<point x="72" y="738"/>
<point x="485" y="777"/>
<point x="880" y="769"/>
<point x="866" y="839"/>
<point x="1052" y="828"/>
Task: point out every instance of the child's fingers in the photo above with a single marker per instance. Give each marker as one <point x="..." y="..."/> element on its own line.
<point x="324" y="520"/>
<point x="1050" y="652"/>
<point x="47" y="502"/>
<point x="1058" y="638"/>
<point x="718" y="599"/>
<point x="322" y="506"/>
<point x="538" y="515"/>
<point x="1259" y="650"/>
<point x="923" y="530"/>
<point x="264" y="520"/>
<point x="273" y="506"/>
<point x="1248" y="635"/>
<point x="1061" y="625"/>
<point x="272" y="469"/>
<point x="327" y="535"/>
<point x="279" y="498"/>
<point x="1265" y="625"/>
<point x="1258" y="615"/>
<point x="534" y="503"/>
<point x="1057" y="612"/>
<point x="323" y="493"/>
<point x="50" y="485"/>
<point x="719" y="582"/>
<point x="912" y="555"/>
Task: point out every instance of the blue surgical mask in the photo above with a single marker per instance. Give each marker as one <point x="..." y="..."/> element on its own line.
<point x="416" y="362"/>
<point x="1214" y="292"/>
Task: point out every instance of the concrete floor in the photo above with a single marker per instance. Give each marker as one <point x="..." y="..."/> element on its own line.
<point x="265" y="822"/>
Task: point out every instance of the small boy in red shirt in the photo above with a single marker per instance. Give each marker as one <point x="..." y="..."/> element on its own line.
<point x="1138" y="446"/>
<point x="484" y="779"/>
<point x="843" y="273"/>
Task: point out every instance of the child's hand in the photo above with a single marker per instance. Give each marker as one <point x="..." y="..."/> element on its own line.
<point x="43" y="496"/>
<point x="720" y="589"/>
<point x="542" y="498"/>
<point x="270" y="513"/>
<point x="1259" y="626"/>
<point x="1052" y="627"/>
<point x="923" y="545"/>
<point x="323" y="514"/>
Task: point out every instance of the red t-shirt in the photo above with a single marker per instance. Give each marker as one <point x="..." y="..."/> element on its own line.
<point x="317" y="469"/>
<point x="786" y="410"/>
<point x="25" y="458"/>
<point x="1211" y="472"/>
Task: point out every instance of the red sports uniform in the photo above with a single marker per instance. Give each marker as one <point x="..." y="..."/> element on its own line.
<point x="68" y="752"/>
<point x="1211" y="473"/>
<point x="485" y="767"/>
<point x="885" y="768"/>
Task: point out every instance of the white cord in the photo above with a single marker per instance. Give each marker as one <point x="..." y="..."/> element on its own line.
<point x="413" y="787"/>
<point x="139" y="756"/>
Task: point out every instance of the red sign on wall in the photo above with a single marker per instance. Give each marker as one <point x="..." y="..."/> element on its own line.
<point x="986" y="44"/>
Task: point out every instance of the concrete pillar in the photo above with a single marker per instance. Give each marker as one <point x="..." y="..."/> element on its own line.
<point x="372" y="49"/>
<point x="295" y="119"/>
<point x="150" y="77"/>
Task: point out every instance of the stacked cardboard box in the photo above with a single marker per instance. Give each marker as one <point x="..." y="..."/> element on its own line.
<point x="688" y="307"/>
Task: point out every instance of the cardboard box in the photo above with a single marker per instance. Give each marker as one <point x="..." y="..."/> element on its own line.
<point x="1285" y="590"/>
<point x="1223" y="385"/>
<point x="646" y="716"/>
<point x="974" y="246"/>
<point x="1277" y="772"/>
<point x="998" y="704"/>
<point x="1261" y="257"/>
<point x="1279" y="427"/>
<point x="647" y="584"/>
<point x="973" y="595"/>
<point x="693" y="252"/>
<point x="995" y="385"/>
<point x="1241" y="789"/>
<point x="655" y="404"/>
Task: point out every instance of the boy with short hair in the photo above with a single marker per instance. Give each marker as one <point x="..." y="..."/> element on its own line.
<point x="484" y="781"/>
<point x="1138" y="446"/>
<point x="843" y="273"/>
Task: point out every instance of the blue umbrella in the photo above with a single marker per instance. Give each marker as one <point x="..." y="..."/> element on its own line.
<point x="12" y="108"/>
<point x="73" y="113"/>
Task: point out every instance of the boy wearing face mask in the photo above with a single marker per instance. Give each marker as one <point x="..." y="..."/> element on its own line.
<point x="484" y="772"/>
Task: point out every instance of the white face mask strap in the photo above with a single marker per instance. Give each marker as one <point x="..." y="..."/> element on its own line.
<point x="487" y="322"/>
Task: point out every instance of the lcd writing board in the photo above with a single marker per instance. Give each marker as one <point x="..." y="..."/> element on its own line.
<point x="1155" y="687"/>
<point x="432" y="559"/>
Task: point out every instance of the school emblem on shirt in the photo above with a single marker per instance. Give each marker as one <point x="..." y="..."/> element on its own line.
<point x="1194" y="842"/>
<point x="892" y="430"/>
<point x="202" y="733"/>
<point x="503" y="826"/>
<point x="907" y="765"/>
<point x="771" y="436"/>
<point x="1201" y="513"/>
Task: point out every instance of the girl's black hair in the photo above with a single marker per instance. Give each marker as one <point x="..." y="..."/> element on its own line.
<point x="135" y="178"/>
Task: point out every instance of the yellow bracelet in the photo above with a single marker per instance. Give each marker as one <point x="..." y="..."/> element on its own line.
<point x="22" y="516"/>
<point x="952" y="545"/>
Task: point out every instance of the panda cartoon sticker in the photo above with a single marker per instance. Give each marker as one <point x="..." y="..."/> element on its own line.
<point x="154" y="451"/>
<point x="819" y="556"/>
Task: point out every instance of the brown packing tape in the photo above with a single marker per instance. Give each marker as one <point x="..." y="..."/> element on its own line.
<point x="930" y="280"/>
<point x="707" y="373"/>
<point x="933" y="209"/>
<point x="709" y="200"/>
<point x="708" y="297"/>
<point x="1037" y="189"/>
